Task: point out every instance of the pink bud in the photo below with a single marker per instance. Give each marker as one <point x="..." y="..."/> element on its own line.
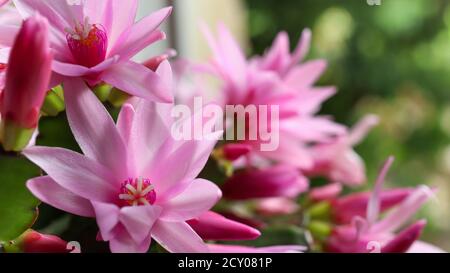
<point x="278" y="181"/>
<point x="34" y="242"/>
<point x="28" y="74"/>
<point x="233" y="152"/>
<point x="213" y="226"/>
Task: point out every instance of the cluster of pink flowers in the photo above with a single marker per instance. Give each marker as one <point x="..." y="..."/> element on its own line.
<point x="139" y="182"/>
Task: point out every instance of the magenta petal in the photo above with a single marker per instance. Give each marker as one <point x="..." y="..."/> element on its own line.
<point x="178" y="237"/>
<point x="139" y="220"/>
<point x="75" y="172"/>
<point x="213" y="226"/>
<point x="94" y="129"/>
<point x="137" y="80"/>
<point x="403" y="241"/>
<point x="200" y="196"/>
<point x="49" y="192"/>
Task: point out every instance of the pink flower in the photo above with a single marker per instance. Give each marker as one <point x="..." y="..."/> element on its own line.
<point x="215" y="227"/>
<point x="338" y="161"/>
<point x="378" y="235"/>
<point x="95" y="41"/>
<point x="127" y="177"/>
<point x="27" y="76"/>
<point x="266" y="81"/>
<point x="247" y="249"/>
<point x="276" y="181"/>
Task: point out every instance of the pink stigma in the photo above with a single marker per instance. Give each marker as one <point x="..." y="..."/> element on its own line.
<point x="88" y="43"/>
<point x="137" y="192"/>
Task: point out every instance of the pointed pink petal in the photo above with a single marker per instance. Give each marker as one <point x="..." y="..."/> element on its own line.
<point x="278" y="56"/>
<point x="75" y="172"/>
<point x="213" y="226"/>
<point x="94" y="129"/>
<point x="403" y="241"/>
<point x="178" y="237"/>
<point x="305" y="75"/>
<point x="362" y="128"/>
<point x="141" y="34"/>
<point x="49" y="192"/>
<point x="405" y="210"/>
<point x="122" y="242"/>
<point x="373" y="208"/>
<point x="116" y="16"/>
<point x="137" y="80"/>
<point x="125" y="122"/>
<point x="199" y="197"/>
<point x="107" y="216"/>
<point x="303" y="47"/>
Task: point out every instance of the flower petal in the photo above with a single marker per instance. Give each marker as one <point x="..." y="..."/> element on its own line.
<point x="198" y="198"/>
<point x="178" y="237"/>
<point x="141" y="34"/>
<point x="305" y="75"/>
<point x="74" y="172"/>
<point x="137" y="80"/>
<point x="122" y="242"/>
<point x="94" y="129"/>
<point x="139" y="220"/>
<point x="49" y="192"/>
<point x="107" y="216"/>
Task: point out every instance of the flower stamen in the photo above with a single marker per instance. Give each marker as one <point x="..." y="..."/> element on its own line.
<point x="136" y="192"/>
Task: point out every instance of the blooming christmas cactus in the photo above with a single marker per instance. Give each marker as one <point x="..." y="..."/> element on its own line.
<point x="140" y="186"/>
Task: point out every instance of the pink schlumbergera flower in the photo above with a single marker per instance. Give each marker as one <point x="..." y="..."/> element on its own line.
<point x="275" y="79"/>
<point x="126" y="178"/>
<point x="366" y="233"/>
<point x="95" y="39"/>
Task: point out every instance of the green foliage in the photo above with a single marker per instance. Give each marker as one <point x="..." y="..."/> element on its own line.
<point x="18" y="208"/>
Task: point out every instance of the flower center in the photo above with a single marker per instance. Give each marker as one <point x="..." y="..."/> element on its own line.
<point x="137" y="192"/>
<point x="88" y="43"/>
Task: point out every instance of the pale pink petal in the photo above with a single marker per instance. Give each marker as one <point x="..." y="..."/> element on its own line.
<point x="137" y="80"/>
<point x="94" y="129"/>
<point x="75" y="70"/>
<point x="107" y="216"/>
<point x="305" y="75"/>
<point x="328" y="192"/>
<point x="374" y="206"/>
<point x="125" y="122"/>
<point x="139" y="220"/>
<point x="75" y="172"/>
<point x="404" y="240"/>
<point x="122" y="242"/>
<point x="49" y="192"/>
<point x="423" y="247"/>
<point x="116" y="16"/>
<point x="8" y="35"/>
<point x="198" y="198"/>
<point x="303" y="47"/>
<point x="404" y="211"/>
<point x="362" y="128"/>
<point x="178" y="237"/>
<point x="141" y="34"/>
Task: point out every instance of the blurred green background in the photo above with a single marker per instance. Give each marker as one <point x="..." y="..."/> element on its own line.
<point x="392" y="60"/>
